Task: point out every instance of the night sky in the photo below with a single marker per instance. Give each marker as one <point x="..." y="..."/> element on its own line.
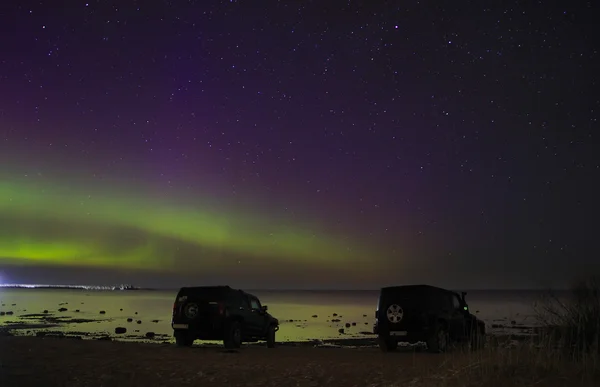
<point x="269" y="144"/>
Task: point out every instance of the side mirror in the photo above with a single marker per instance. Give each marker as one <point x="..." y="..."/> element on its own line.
<point x="264" y="308"/>
<point x="464" y="301"/>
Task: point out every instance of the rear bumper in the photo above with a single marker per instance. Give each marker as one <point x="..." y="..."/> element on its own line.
<point x="203" y="330"/>
<point x="204" y="334"/>
<point x="409" y="336"/>
<point x="406" y="337"/>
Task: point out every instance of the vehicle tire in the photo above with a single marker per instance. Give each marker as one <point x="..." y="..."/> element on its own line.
<point x="271" y="336"/>
<point x="183" y="340"/>
<point x="387" y="345"/>
<point x="477" y="339"/>
<point x="233" y="336"/>
<point x="439" y="341"/>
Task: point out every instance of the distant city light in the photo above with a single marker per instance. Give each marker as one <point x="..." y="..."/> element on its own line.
<point x="85" y="287"/>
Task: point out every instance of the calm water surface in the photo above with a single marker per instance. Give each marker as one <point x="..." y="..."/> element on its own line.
<point x="357" y="307"/>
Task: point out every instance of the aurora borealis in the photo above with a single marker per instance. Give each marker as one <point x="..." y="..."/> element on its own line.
<point x="208" y="229"/>
<point x="287" y="145"/>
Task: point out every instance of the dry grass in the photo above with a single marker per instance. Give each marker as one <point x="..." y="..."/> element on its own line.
<point x="517" y="363"/>
<point x="573" y="322"/>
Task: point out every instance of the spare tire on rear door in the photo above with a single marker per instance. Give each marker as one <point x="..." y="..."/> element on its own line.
<point x="190" y="310"/>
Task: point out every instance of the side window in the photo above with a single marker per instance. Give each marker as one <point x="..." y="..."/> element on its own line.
<point x="246" y="302"/>
<point x="455" y="302"/>
<point x="448" y="302"/>
<point x="254" y="304"/>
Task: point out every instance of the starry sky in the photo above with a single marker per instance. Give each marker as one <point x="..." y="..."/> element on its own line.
<point x="338" y="144"/>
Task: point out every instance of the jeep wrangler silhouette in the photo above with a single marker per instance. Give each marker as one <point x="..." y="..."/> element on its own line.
<point x="221" y="313"/>
<point x="423" y="313"/>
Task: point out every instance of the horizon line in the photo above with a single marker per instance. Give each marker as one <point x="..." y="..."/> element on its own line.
<point x="131" y="287"/>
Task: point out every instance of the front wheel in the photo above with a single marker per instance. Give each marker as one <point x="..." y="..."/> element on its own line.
<point x="271" y="336"/>
<point x="233" y="336"/>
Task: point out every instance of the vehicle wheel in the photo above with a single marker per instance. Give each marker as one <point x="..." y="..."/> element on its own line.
<point x="477" y="339"/>
<point x="439" y="341"/>
<point x="183" y="340"/>
<point x="233" y="336"/>
<point x="271" y="337"/>
<point x="387" y="345"/>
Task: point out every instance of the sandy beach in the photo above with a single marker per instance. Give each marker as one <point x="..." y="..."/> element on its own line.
<point x="35" y="361"/>
<point x="73" y="363"/>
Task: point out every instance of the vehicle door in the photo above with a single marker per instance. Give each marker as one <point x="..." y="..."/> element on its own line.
<point x="256" y="317"/>
<point x="457" y="318"/>
<point x="244" y="306"/>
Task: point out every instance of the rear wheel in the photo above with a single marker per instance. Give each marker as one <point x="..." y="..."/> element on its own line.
<point x="271" y="336"/>
<point x="233" y="336"/>
<point x="387" y="345"/>
<point x="183" y="340"/>
<point x="439" y="341"/>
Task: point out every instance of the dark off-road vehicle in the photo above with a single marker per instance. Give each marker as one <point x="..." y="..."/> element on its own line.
<point x="423" y="313"/>
<point x="221" y="313"/>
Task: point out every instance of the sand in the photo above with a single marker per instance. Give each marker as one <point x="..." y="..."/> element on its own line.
<point x="45" y="362"/>
<point x="29" y="361"/>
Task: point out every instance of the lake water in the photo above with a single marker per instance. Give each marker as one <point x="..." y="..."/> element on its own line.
<point x="501" y="310"/>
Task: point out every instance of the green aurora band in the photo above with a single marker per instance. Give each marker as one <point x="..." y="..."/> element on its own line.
<point x="53" y="225"/>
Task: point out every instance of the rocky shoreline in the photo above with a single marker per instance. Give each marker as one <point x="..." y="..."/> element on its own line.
<point x="48" y="324"/>
<point x="67" y="321"/>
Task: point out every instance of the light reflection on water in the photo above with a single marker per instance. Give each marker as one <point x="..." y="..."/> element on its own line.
<point x="351" y="307"/>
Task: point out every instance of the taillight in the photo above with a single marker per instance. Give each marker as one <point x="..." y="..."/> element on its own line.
<point x="221" y="308"/>
<point x="174" y="309"/>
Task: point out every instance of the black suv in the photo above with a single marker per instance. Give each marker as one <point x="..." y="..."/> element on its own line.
<point x="423" y="313"/>
<point x="221" y="313"/>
